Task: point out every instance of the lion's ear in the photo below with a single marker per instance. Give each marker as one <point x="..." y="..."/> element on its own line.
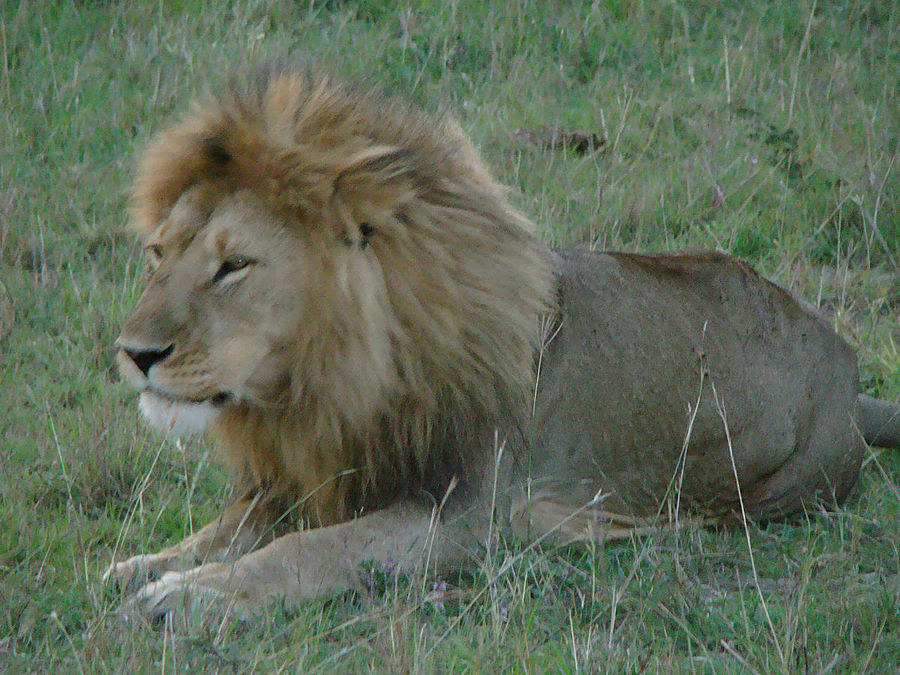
<point x="377" y="180"/>
<point x="215" y="151"/>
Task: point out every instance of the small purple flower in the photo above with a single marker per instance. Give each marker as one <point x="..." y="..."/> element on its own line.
<point x="438" y="589"/>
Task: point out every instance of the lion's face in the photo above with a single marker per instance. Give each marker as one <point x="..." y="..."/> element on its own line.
<point x="323" y="260"/>
<point x="214" y="325"/>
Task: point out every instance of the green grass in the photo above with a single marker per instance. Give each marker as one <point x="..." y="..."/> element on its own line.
<point x="764" y="129"/>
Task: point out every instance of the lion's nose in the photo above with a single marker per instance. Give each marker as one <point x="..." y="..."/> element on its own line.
<point x="145" y="359"/>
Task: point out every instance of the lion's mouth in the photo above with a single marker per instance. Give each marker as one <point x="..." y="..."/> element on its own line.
<point x="181" y="416"/>
<point x="216" y="400"/>
<point x="220" y="399"/>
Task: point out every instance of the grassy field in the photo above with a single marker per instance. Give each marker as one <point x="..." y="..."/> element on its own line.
<point x="769" y="130"/>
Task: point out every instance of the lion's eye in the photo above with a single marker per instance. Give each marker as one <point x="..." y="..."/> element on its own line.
<point x="154" y="255"/>
<point x="231" y="264"/>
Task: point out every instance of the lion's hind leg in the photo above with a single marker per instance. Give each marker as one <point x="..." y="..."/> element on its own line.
<point x="241" y="528"/>
<point x="549" y="518"/>
<point x="820" y="473"/>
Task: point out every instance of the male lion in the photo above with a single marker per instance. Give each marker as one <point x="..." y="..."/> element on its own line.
<point x="389" y="359"/>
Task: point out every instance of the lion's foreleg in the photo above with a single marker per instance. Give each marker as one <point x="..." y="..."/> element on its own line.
<point x="320" y="562"/>
<point x="242" y="527"/>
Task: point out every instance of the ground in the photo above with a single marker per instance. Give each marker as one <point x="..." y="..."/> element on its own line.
<point x="769" y="130"/>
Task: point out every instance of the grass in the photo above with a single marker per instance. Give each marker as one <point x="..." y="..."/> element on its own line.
<point x="769" y="130"/>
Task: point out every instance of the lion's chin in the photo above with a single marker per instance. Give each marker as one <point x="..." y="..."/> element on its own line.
<point x="177" y="418"/>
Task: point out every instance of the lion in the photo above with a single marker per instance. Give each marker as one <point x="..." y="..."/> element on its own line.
<point x="392" y="363"/>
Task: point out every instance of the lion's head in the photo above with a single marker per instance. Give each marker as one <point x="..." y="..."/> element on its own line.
<point x="333" y="278"/>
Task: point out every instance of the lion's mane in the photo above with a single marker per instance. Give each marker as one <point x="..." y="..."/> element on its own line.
<point x="421" y="329"/>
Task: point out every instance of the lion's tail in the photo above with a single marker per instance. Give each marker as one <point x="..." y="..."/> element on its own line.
<point x="878" y="421"/>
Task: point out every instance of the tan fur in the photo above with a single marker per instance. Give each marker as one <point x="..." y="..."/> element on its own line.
<point x="342" y="281"/>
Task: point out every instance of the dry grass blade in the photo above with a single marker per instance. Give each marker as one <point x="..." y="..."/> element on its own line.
<point x="720" y="408"/>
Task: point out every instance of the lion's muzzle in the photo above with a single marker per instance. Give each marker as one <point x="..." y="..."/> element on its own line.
<point x="174" y="413"/>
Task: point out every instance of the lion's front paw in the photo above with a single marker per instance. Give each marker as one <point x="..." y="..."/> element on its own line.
<point x="174" y="592"/>
<point x="212" y="589"/>
<point x="130" y="575"/>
